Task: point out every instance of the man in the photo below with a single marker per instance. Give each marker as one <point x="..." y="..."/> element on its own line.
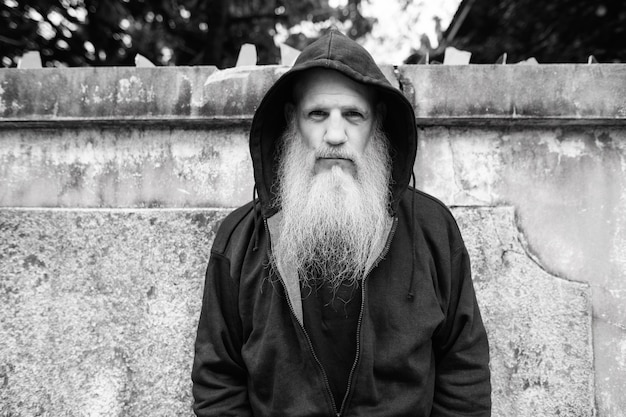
<point x="341" y="291"/>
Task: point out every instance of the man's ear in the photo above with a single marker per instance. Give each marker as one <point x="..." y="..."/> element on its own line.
<point x="289" y="110"/>
<point x="381" y="110"/>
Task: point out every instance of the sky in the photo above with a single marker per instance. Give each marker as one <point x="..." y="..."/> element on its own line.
<point x="398" y="33"/>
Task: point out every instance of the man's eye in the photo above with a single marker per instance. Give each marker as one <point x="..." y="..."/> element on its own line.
<point x="317" y="114"/>
<point x="354" y="115"/>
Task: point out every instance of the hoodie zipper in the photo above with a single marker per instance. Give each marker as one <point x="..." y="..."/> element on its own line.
<point x="358" y="329"/>
<point x="359" y="322"/>
<point x="308" y="339"/>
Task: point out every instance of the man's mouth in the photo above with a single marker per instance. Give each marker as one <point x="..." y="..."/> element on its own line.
<point x="335" y="158"/>
<point x="326" y="163"/>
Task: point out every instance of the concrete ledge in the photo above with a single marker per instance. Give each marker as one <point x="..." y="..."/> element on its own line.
<point x="101" y="93"/>
<point x="538" y="94"/>
<point x="442" y="95"/>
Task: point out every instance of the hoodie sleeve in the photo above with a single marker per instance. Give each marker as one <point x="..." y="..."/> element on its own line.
<point x="462" y="380"/>
<point x="219" y="375"/>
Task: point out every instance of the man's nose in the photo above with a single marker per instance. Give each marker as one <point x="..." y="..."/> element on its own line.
<point x="335" y="131"/>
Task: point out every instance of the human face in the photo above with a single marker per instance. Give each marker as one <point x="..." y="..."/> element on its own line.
<point x="331" y="222"/>
<point x="335" y="117"/>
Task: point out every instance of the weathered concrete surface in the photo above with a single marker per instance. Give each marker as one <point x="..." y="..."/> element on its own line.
<point x="441" y="94"/>
<point x="101" y="93"/>
<point x="516" y="93"/>
<point x="238" y="91"/>
<point x="548" y="140"/>
<point x="144" y="167"/>
<point x="161" y="95"/>
<point x="99" y="309"/>
<point x="539" y="325"/>
<point x="568" y="186"/>
<point x="610" y="363"/>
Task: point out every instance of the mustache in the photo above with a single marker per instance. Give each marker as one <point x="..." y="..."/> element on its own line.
<point x="328" y="153"/>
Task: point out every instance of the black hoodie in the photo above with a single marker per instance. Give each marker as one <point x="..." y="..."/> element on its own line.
<point x="421" y="348"/>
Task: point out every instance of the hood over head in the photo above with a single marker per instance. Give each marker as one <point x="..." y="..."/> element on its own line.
<point x="338" y="52"/>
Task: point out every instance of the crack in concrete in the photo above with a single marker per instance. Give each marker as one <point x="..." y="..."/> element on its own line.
<point x="605" y="320"/>
<point x="521" y="239"/>
<point x="455" y="176"/>
<point x="534" y="256"/>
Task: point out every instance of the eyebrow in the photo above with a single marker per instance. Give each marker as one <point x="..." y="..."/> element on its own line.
<point x="348" y="107"/>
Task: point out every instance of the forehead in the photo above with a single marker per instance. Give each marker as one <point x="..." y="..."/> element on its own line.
<point x="319" y="83"/>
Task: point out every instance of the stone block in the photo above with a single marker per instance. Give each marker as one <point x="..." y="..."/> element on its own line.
<point x="539" y="325"/>
<point x="100" y="93"/>
<point x="610" y="366"/>
<point x="547" y="93"/>
<point x="441" y="94"/>
<point x="568" y="187"/>
<point x="99" y="311"/>
<point x="121" y="167"/>
<point x="237" y="92"/>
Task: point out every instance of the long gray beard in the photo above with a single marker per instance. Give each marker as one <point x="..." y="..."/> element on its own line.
<point x="331" y="221"/>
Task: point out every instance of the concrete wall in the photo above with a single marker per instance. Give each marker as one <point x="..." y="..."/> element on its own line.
<point x="113" y="181"/>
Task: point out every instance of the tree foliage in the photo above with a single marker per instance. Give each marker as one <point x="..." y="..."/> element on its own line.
<point x="167" y="32"/>
<point x="557" y="31"/>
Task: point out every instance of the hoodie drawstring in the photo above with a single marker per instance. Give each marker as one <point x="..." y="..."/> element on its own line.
<point x="255" y="233"/>
<point x="410" y="296"/>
